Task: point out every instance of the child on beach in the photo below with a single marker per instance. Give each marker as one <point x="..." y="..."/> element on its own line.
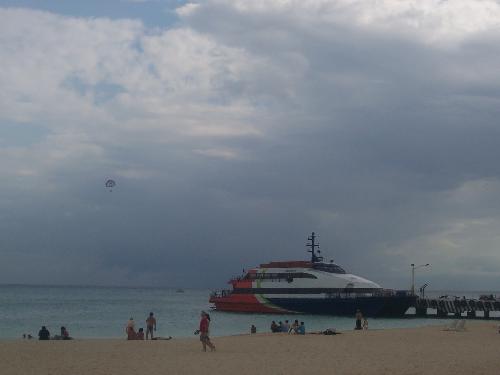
<point x="140" y="334"/>
<point x="365" y="324"/>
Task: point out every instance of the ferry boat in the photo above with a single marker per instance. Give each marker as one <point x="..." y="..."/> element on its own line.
<point x="309" y="287"/>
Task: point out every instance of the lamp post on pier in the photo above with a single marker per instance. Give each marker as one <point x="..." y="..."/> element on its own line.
<point x="413" y="268"/>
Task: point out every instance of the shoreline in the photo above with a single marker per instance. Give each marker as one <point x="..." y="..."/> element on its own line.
<point x="195" y="337"/>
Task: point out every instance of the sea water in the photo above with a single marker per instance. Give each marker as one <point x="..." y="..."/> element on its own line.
<point x="102" y="312"/>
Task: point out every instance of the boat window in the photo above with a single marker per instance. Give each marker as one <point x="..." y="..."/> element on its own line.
<point x="332" y="268"/>
<point x="279" y="276"/>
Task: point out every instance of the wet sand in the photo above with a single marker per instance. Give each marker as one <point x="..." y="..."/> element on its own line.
<point x="428" y="350"/>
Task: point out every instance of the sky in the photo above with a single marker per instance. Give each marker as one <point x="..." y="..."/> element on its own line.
<point x="234" y="128"/>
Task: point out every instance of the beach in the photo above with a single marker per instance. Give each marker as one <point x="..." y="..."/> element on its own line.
<point x="424" y="350"/>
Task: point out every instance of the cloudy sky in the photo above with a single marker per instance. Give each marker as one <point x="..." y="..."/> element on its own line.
<point x="234" y="128"/>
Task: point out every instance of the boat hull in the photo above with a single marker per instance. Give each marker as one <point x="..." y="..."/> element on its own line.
<point x="375" y="306"/>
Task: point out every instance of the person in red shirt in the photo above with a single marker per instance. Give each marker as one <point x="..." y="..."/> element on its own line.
<point x="204" y="332"/>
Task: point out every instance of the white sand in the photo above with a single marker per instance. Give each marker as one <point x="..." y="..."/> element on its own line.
<point x="428" y="350"/>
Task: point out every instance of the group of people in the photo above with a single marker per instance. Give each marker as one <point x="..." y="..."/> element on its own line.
<point x="300" y="329"/>
<point x="44" y="334"/>
<point x="139" y="335"/>
<point x="203" y="330"/>
<point x="294" y="328"/>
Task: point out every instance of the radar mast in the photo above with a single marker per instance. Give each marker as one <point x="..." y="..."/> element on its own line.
<point x="313" y="246"/>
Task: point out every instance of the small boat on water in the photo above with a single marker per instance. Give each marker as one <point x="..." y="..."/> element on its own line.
<point x="179" y="291"/>
<point x="310" y="287"/>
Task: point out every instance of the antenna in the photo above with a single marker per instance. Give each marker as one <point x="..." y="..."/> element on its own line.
<point x="313" y="246"/>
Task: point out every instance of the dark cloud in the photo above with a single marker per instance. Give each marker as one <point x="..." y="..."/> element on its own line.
<point x="385" y="143"/>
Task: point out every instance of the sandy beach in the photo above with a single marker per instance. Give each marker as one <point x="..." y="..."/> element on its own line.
<point x="425" y="350"/>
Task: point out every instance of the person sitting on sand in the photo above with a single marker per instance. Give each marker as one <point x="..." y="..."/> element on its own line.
<point x="359" y="316"/>
<point x="274" y="327"/>
<point x="44" y="334"/>
<point x="301" y="330"/>
<point x="328" y="331"/>
<point x="204" y="332"/>
<point x="140" y="334"/>
<point x="280" y="327"/>
<point x="285" y="327"/>
<point x="130" y="330"/>
<point x="294" y="327"/>
<point x="63" y="336"/>
<point x="253" y="329"/>
<point x="150" y="325"/>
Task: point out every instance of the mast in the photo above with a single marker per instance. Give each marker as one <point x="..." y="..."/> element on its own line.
<point x="313" y="246"/>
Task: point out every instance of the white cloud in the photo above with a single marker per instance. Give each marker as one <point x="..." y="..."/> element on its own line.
<point x="96" y="82"/>
<point x="186" y="9"/>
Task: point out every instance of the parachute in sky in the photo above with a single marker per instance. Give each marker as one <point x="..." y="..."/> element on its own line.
<point x="110" y="184"/>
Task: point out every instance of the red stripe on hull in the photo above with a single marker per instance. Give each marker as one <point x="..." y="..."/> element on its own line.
<point x="242" y="303"/>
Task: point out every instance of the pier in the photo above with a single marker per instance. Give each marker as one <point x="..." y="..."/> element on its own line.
<point x="457" y="308"/>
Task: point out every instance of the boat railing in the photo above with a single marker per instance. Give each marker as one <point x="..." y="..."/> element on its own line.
<point x="393" y="293"/>
<point x="221" y="293"/>
<point x="351" y="293"/>
<point x="235" y="279"/>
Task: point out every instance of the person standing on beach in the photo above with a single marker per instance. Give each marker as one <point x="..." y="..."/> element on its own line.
<point x="204" y="332"/>
<point x="359" y="317"/>
<point x="150" y="325"/>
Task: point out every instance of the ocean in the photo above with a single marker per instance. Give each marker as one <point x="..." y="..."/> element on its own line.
<point x="102" y="312"/>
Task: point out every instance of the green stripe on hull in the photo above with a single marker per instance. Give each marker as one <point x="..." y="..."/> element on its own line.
<point x="264" y="300"/>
